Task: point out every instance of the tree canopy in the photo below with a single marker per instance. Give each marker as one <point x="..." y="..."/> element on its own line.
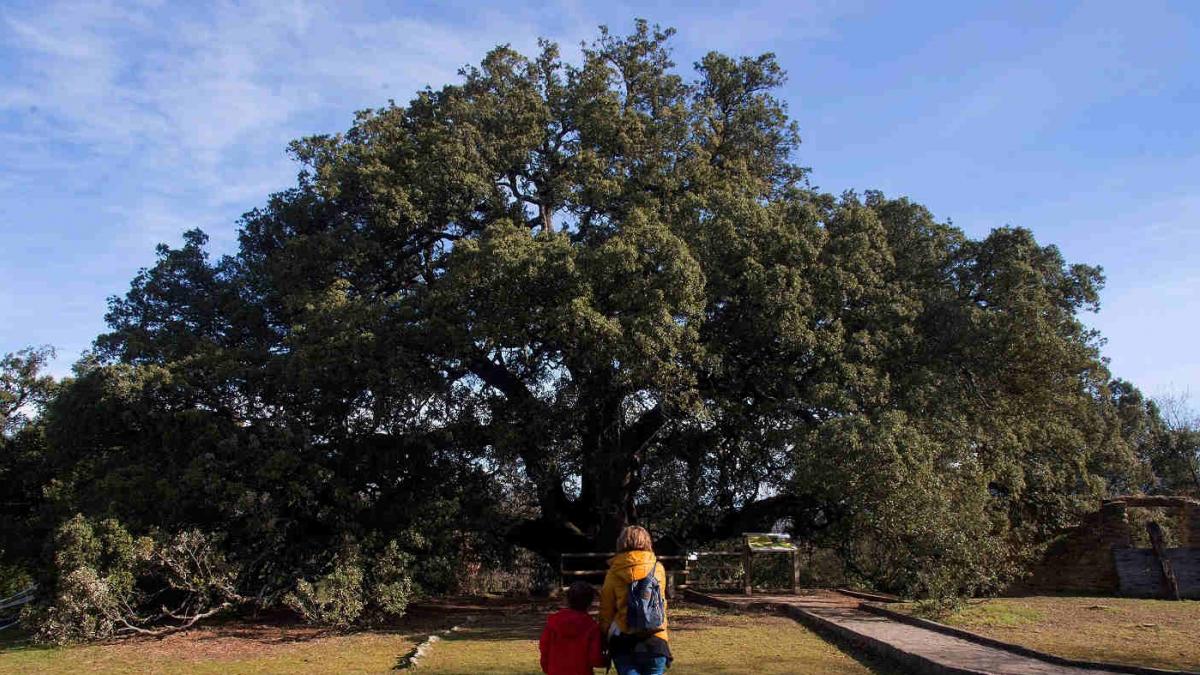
<point x="559" y="297"/>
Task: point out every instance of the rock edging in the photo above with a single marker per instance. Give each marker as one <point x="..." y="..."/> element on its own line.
<point x="411" y="660"/>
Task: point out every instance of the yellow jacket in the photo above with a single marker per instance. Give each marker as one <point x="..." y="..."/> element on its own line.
<point x="624" y="569"/>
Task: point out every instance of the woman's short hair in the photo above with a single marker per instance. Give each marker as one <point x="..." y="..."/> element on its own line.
<point x="634" y="538"/>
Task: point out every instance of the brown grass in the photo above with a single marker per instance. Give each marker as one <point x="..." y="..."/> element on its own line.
<point x="703" y="640"/>
<point x="1155" y="633"/>
<point x="229" y="648"/>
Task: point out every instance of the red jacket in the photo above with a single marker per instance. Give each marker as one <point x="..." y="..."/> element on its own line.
<point x="570" y="644"/>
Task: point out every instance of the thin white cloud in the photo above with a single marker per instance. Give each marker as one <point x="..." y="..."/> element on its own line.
<point x="191" y="110"/>
<point x="126" y="123"/>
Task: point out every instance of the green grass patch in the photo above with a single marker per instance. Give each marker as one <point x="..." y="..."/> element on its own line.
<point x="994" y="615"/>
<point x="702" y="640"/>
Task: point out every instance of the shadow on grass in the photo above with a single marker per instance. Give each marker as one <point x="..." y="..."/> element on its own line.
<point x="15" y="640"/>
<point x="266" y="633"/>
<point x="712" y="618"/>
<point x="873" y="663"/>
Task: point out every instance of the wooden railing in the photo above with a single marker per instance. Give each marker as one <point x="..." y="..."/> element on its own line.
<point x="680" y="570"/>
<point x="11" y="606"/>
<point x="592" y="566"/>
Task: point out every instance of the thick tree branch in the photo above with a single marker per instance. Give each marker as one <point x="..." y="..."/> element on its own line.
<point x="544" y="475"/>
<point x="643" y="431"/>
<point x="549" y="537"/>
<point x="500" y="378"/>
<point x="188" y="622"/>
<point x="756" y="516"/>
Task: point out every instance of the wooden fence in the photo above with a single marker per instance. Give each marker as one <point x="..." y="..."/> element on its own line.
<point x="10" y="607"/>
<point x="680" y="569"/>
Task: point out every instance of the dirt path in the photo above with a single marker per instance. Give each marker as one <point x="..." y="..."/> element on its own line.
<point x="225" y="649"/>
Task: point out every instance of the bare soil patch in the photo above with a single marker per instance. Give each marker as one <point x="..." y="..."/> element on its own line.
<point x="231" y="647"/>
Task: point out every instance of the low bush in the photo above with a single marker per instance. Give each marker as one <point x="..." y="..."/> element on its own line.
<point x="104" y="582"/>
<point x="356" y="588"/>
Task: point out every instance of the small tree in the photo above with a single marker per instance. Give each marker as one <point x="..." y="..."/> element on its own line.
<point x="106" y="583"/>
<point x="1178" y="458"/>
<point x="25" y="390"/>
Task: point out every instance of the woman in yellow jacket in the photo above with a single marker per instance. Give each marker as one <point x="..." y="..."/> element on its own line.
<point x="632" y="654"/>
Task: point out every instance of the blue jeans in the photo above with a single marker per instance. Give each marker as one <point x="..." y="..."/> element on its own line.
<point x="640" y="664"/>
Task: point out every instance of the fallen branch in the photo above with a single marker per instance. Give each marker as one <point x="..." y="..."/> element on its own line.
<point x="188" y="622"/>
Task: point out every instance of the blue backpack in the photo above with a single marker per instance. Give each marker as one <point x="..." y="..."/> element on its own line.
<point x="646" y="613"/>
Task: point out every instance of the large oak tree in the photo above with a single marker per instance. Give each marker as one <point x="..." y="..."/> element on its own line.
<point x="568" y="296"/>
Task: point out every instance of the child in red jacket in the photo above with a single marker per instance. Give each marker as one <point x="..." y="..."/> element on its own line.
<point x="570" y="643"/>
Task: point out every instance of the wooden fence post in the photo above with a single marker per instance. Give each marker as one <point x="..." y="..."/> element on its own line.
<point x="796" y="571"/>
<point x="748" y="567"/>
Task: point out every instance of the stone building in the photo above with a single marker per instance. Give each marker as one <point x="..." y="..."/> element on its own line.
<point x="1098" y="557"/>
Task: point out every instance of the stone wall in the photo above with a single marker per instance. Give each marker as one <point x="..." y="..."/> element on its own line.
<point x="1188" y="510"/>
<point x="1191" y="518"/>
<point x="1082" y="560"/>
<point x="1141" y="572"/>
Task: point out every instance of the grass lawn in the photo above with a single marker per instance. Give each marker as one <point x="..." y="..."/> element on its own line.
<point x="702" y="640"/>
<point x="234" y="648"/>
<point x="1156" y="633"/>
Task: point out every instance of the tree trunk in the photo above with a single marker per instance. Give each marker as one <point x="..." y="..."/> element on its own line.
<point x="607" y="480"/>
<point x="613" y="455"/>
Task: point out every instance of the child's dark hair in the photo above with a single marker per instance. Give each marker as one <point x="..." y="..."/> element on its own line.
<point x="580" y="595"/>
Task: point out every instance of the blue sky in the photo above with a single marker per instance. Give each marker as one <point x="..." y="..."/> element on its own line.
<point x="124" y="123"/>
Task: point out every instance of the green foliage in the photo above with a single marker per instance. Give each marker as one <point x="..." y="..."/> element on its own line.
<point x="390" y="587"/>
<point x="13" y="579"/>
<point x="25" y="391"/>
<point x="95" y="567"/>
<point x="335" y="599"/>
<point x="1173" y="452"/>
<point x="560" y="296"/>
<point x="104" y="582"/>
<point x="23" y="388"/>
<point x="355" y="586"/>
